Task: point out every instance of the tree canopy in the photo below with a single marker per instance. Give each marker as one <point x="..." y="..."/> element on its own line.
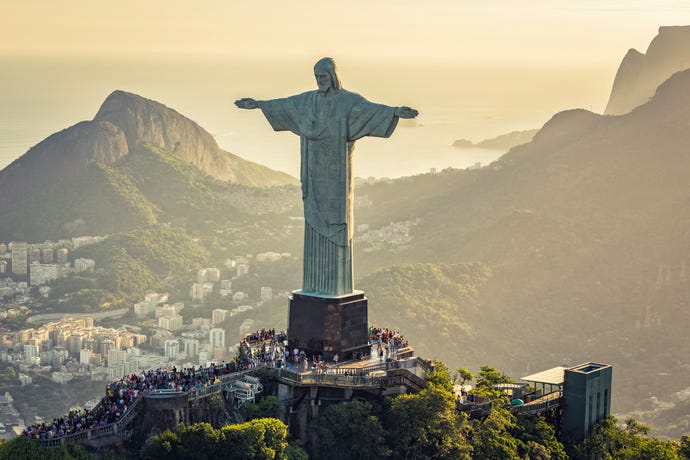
<point x="258" y="439"/>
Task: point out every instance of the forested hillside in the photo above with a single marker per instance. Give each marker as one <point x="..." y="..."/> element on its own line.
<point x="584" y="233"/>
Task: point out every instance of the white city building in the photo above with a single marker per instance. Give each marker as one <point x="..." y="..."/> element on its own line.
<point x="83" y="265"/>
<point x="219" y="315"/>
<point x="85" y="357"/>
<point x="172" y="348"/>
<point x="191" y="347"/>
<point x="116" y="356"/>
<point x="171" y="323"/>
<point x="216" y="337"/>
<point x="31" y="353"/>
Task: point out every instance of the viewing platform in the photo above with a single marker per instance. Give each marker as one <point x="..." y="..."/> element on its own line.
<point x="177" y="394"/>
<point x="370" y="372"/>
<point x="303" y="387"/>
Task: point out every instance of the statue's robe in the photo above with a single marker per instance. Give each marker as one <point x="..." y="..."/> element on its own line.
<point x="328" y="126"/>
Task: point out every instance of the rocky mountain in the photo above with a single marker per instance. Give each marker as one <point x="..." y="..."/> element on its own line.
<point x="577" y="244"/>
<point x="142" y="158"/>
<point x="639" y="74"/>
<point x="143" y="121"/>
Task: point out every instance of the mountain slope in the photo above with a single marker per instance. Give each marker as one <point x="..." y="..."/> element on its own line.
<point x="144" y="121"/>
<point x="580" y="166"/>
<point x="585" y="232"/>
<point x="143" y="159"/>
<point x="441" y="297"/>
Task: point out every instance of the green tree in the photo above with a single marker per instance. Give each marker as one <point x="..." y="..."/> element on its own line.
<point x="684" y="449"/>
<point x="268" y="406"/>
<point x="21" y="448"/>
<point x="293" y="452"/>
<point x="609" y="441"/>
<point x="244" y="441"/>
<point x="538" y="438"/>
<point x="275" y="436"/>
<point x="440" y="376"/>
<point x="349" y="431"/>
<point x="8" y="375"/>
<point x="464" y="375"/>
<point x="163" y="445"/>
<point x="491" y="438"/>
<point x="488" y="377"/>
<point x="198" y="441"/>
<point x="259" y="439"/>
<point x="426" y="425"/>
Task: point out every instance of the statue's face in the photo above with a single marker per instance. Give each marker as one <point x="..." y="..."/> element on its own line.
<point x="323" y="80"/>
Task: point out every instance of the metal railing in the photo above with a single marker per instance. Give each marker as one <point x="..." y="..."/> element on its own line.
<point x="358" y="376"/>
<point x="340" y="379"/>
<point x="101" y="431"/>
<point x="201" y="393"/>
<point x="550" y="401"/>
<point x="475" y="405"/>
<point x="128" y="415"/>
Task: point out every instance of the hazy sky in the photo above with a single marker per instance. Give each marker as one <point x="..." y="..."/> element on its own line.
<point x="474" y="68"/>
<point x="555" y="30"/>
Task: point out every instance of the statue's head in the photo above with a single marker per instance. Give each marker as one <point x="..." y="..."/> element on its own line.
<point x="326" y="74"/>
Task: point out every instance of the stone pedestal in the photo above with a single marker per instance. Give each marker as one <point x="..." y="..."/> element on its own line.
<point x="328" y="325"/>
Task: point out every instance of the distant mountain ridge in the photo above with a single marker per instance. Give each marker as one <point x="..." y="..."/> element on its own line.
<point x="584" y="232"/>
<point x="639" y="74"/>
<point x="59" y="186"/>
<point x="503" y="142"/>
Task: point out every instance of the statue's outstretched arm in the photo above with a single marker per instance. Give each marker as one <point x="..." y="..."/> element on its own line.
<point x="405" y="112"/>
<point x="248" y="103"/>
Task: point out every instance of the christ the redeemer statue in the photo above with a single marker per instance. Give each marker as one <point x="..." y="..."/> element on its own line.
<point x="328" y="122"/>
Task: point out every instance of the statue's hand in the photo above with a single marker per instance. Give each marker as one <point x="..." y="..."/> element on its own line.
<point x="405" y="112"/>
<point x="247" y="103"/>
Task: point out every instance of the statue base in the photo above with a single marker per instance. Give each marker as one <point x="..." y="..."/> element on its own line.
<point x="326" y="325"/>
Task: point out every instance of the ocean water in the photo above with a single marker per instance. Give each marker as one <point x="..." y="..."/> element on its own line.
<point x="41" y="96"/>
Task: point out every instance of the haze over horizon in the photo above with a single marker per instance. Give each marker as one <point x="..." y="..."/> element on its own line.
<point x="473" y="69"/>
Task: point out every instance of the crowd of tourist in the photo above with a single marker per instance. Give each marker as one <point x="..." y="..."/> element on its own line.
<point x="260" y="348"/>
<point x="387" y="342"/>
<point x="74" y="422"/>
<point x="264" y="347"/>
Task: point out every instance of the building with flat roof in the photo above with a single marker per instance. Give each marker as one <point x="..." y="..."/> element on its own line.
<point x="547" y="381"/>
<point x="219" y="315"/>
<point x="587" y="398"/>
<point x="61" y="255"/>
<point x="82" y="265"/>
<point x="216" y="337"/>
<point x="171" y="323"/>
<point x="172" y="348"/>
<point x="585" y="395"/>
<point x="191" y="347"/>
<point x="44" y="273"/>
<point x="19" y="258"/>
